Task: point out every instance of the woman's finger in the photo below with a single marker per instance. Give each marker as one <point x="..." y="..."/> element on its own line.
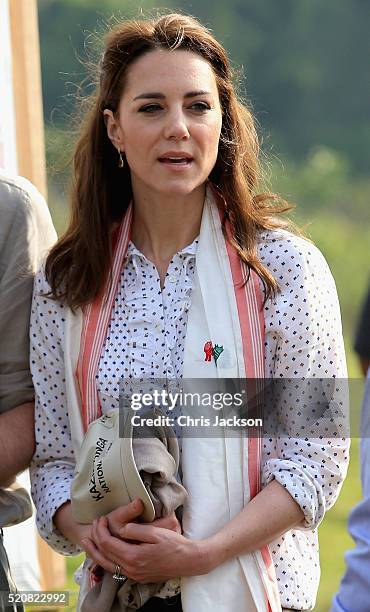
<point x="168" y="522"/>
<point x="113" y="548"/>
<point x="127" y="514"/>
<point x="140" y="533"/>
<point x="96" y="532"/>
<point x="96" y="555"/>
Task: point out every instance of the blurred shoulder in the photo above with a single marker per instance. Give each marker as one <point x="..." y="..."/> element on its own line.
<point x="26" y="230"/>
<point x="22" y="203"/>
<point x="17" y="194"/>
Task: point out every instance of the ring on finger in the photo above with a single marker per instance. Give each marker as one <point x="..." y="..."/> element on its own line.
<point x="117" y="574"/>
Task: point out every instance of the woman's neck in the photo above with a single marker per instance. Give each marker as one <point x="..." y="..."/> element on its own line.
<point x="162" y="226"/>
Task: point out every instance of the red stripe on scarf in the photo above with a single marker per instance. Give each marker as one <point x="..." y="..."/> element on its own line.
<point x="96" y="320"/>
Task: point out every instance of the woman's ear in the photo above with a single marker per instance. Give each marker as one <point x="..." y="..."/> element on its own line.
<point x="113" y="129"/>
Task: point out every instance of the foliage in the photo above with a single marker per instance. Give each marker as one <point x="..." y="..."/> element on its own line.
<point x="306" y="63"/>
<point x="322" y="181"/>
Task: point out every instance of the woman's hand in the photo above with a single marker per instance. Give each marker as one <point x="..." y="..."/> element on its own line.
<point x="115" y="522"/>
<point x="73" y="531"/>
<point x="119" y="517"/>
<point x="147" y="553"/>
<point x="77" y="533"/>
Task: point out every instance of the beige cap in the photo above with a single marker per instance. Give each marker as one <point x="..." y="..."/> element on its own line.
<point x="106" y="475"/>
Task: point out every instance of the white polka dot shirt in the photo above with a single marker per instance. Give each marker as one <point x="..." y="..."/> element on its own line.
<point x="146" y="339"/>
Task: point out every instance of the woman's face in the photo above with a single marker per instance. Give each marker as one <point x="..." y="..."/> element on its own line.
<point x="168" y="122"/>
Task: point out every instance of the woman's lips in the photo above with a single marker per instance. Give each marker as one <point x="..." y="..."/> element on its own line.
<point x="176" y="163"/>
<point x="175" y="160"/>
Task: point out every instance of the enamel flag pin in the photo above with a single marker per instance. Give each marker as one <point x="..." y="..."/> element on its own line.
<point x="212" y="351"/>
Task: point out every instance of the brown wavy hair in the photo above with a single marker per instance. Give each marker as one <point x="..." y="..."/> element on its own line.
<point x="78" y="266"/>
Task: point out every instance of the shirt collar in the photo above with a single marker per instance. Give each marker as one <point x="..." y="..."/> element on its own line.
<point x="191" y="249"/>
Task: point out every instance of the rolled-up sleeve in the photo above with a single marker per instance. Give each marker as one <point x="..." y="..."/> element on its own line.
<point x="53" y="464"/>
<point x="309" y="455"/>
<point x="312" y="471"/>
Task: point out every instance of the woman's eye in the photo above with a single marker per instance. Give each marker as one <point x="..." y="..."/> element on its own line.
<point x="149" y="108"/>
<point x="200" y="106"/>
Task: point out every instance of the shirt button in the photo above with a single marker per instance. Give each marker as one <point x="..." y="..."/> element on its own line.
<point x="172" y="279"/>
<point x="158" y="327"/>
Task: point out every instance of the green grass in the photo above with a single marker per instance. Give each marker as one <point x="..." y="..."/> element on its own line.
<point x="72" y="565"/>
<point x="333" y="535"/>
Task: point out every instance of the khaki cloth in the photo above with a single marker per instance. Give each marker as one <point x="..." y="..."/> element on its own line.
<point x="26" y="233"/>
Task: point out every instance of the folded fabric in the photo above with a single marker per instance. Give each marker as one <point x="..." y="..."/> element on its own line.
<point x="157" y="462"/>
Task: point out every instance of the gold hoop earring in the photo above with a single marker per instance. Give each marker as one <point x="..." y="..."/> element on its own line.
<point x="121" y="161"/>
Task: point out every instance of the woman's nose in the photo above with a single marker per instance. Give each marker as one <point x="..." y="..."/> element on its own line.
<point x="176" y="126"/>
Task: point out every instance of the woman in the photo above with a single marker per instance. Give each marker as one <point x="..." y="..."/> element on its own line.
<point x="140" y="290"/>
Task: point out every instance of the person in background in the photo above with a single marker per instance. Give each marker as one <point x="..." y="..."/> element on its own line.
<point x="362" y="341"/>
<point x="354" y="590"/>
<point x="26" y="233"/>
